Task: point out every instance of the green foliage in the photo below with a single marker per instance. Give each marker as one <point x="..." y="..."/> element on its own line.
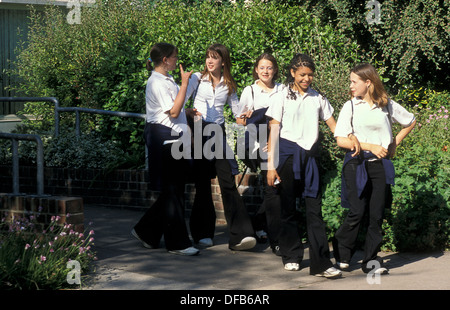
<point x="100" y="63"/>
<point x="68" y="150"/>
<point x="419" y="219"/>
<point x="33" y="259"/>
<point x="332" y="212"/>
<point x="421" y="207"/>
<point x="431" y="111"/>
<point x="412" y="42"/>
<point x="85" y="151"/>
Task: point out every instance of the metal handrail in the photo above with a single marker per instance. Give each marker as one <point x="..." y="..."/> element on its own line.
<point x="38" y="99"/>
<point x="77" y="110"/>
<point x="39" y="159"/>
<point x="40" y="156"/>
<point x="59" y="109"/>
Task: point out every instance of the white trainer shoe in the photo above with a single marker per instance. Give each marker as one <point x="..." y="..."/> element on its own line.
<point x="205" y="242"/>
<point x="246" y="244"/>
<point x="190" y="251"/>
<point x="291" y="266"/>
<point x="342" y="266"/>
<point x="330" y="273"/>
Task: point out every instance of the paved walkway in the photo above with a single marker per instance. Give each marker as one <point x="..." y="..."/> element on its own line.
<point x="123" y="264"/>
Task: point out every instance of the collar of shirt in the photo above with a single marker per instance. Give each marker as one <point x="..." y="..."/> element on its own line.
<point x="359" y="100"/>
<point x="308" y="92"/>
<point x="275" y="89"/>
<point x="205" y="78"/>
<point x="162" y="76"/>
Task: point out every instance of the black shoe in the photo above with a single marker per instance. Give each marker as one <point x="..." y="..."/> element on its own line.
<point x="276" y="250"/>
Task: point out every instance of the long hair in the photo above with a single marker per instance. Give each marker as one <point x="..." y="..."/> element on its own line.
<point x="376" y="89"/>
<point x="222" y="51"/>
<point x="299" y="60"/>
<point x="158" y="52"/>
<point x="270" y="58"/>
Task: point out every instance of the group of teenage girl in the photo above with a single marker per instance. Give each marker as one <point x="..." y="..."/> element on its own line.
<point x="290" y="112"/>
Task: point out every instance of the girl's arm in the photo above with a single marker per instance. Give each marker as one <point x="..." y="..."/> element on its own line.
<point x="399" y="138"/>
<point x="274" y="134"/>
<point x="178" y="103"/>
<point x="331" y="122"/>
<point x="351" y="143"/>
<point x="378" y="150"/>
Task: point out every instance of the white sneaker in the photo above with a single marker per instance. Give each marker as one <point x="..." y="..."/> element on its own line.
<point x="145" y="244"/>
<point x="342" y="266"/>
<point x="205" y="242"/>
<point x="291" y="266"/>
<point x="330" y="273"/>
<point x="246" y="244"/>
<point x="381" y="270"/>
<point x="190" y="251"/>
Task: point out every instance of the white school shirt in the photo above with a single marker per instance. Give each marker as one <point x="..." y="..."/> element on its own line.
<point x="210" y="101"/>
<point x="160" y="94"/>
<point x="371" y="124"/>
<point x="299" y="118"/>
<point x="260" y="98"/>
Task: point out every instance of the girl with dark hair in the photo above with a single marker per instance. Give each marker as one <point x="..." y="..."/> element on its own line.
<point x="254" y="102"/>
<point x="366" y="179"/>
<point x="294" y="128"/>
<point x="216" y="88"/>
<point x="166" y="124"/>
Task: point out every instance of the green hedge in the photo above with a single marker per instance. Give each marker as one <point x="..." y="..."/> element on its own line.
<point x="411" y="43"/>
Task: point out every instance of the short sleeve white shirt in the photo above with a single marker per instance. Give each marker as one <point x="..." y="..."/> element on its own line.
<point x="371" y="124"/>
<point x="254" y="97"/>
<point x="299" y="118"/>
<point x="210" y="101"/>
<point x="160" y="94"/>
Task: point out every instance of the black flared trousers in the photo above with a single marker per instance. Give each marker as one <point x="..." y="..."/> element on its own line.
<point x="290" y="242"/>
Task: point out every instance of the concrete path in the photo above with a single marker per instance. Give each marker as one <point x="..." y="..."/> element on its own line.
<point x="123" y="264"/>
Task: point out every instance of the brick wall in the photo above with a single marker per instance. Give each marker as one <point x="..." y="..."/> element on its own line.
<point x="118" y="188"/>
<point x="69" y="209"/>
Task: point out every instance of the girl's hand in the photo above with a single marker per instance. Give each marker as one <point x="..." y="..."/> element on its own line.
<point x="272" y="175"/>
<point x="185" y="76"/>
<point x="355" y="145"/>
<point x="191" y="112"/>
<point x="378" y="151"/>
<point x="247" y="114"/>
<point x="241" y="121"/>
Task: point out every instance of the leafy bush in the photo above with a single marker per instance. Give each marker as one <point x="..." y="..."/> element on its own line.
<point x="100" y="63"/>
<point x="68" y="150"/>
<point x="412" y="42"/>
<point x="33" y="259"/>
<point x="419" y="219"/>
<point x="421" y="207"/>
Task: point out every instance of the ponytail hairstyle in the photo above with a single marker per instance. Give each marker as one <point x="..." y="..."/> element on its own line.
<point x="222" y="51"/>
<point x="376" y="89"/>
<point x="157" y="54"/>
<point x="299" y="60"/>
<point x="271" y="58"/>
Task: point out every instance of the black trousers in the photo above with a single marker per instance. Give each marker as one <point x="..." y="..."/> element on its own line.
<point x="166" y="217"/>
<point x="290" y="242"/>
<point x="202" y="221"/>
<point x="372" y="201"/>
<point x="270" y="211"/>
